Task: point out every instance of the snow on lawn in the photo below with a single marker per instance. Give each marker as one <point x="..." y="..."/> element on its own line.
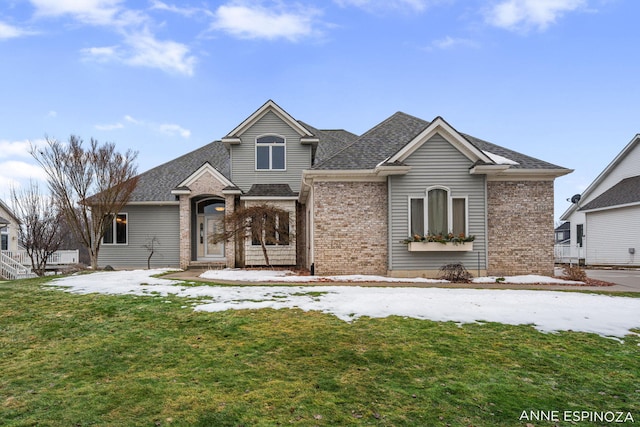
<point x="285" y="276"/>
<point x="547" y="311"/>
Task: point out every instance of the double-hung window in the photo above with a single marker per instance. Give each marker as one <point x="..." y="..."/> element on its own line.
<point x="438" y="213"/>
<point x="270" y="153"/>
<point x="116" y="232"/>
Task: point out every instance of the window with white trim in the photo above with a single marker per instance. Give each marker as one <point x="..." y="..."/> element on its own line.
<point x="270" y="153"/>
<point x="438" y="213"/>
<point x="117" y="231"/>
<point x="4" y="238"/>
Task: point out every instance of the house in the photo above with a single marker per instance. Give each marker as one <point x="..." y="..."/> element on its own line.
<point x="8" y="228"/>
<point x="351" y="200"/>
<point x="605" y="218"/>
<point x="563" y="233"/>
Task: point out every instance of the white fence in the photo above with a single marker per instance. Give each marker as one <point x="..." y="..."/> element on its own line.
<point x="566" y="254"/>
<point x="17" y="264"/>
<point x="55" y="259"/>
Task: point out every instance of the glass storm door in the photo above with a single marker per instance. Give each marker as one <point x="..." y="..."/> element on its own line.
<point x="212" y="223"/>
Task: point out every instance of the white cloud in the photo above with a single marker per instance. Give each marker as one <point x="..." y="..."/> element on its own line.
<point x="139" y="45"/>
<point x="99" y="12"/>
<point x="108" y="127"/>
<point x="169" y="56"/>
<point x="451" y="42"/>
<point x="258" y="22"/>
<point x="171" y="129"/>
<point x="184" y="11"/>
<point x="18" y="148"/>
<point x="525" y="14"/>
<point x="415" y="5"/>
<point x="10" y="32"/>
<point x="100" y="54"/>
<point x="142" y="49"/>
<point x="19" y="170"/>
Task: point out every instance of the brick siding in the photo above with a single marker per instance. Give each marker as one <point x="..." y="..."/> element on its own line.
<point x="208" y="185"/>
<point x="520" y="227"/>
<point x="350" y="228"/>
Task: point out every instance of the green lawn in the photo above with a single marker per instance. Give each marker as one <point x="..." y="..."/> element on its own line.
<point x="80" y="360"/>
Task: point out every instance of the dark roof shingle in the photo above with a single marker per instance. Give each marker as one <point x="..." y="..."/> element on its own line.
<point x="625" y="192"/>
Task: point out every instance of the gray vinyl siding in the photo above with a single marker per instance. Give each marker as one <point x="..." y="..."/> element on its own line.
<point x="144" y="223"/>
<point x="436" y="163"/>
<point x="243" y="166"/>
<point x="610" y="234"/>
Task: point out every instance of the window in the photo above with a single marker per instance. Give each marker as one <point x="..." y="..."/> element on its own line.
<point x="274" y="228"/>
<point x="270" y="153"/>
<point x="116" y="230"/>
<point x="4" y="238"/>
<point x="442" y="214"/>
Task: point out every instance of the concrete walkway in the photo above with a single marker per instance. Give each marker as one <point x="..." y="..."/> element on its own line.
<point x="193" y="275"/>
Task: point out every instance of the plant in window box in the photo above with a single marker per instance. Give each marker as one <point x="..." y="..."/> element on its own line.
<point x="440" y="242"/>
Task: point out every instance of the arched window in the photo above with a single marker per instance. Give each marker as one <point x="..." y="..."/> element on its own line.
<point x="270" y="153"/>
<point x="437" y="213"/>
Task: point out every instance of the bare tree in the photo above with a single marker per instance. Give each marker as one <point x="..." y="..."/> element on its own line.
<point x="89" y="184"/>
<point x="40" y="230"/>
<point x="264" y="224"/>
<point x="150" y="246"/>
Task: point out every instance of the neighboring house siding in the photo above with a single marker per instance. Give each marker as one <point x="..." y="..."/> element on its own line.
<point x="11" y="231"/>
<point x="144" y="223"/>
<point x="350" y="228"/>
<point x="520" y="227"/>
<point x="243" y="166"/>
<point x="611" y="234"/>
<point x="436" y="163"/>
<point x="628" y="167"/>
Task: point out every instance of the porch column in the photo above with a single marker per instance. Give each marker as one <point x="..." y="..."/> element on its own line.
<point x="230" y="246"/>
<point x="185" y="231"/>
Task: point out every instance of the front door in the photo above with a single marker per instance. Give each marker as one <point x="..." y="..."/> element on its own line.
<point x="210" y="217"/>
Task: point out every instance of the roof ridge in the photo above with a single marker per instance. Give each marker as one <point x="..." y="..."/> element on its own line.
<point x="361" y="137"/>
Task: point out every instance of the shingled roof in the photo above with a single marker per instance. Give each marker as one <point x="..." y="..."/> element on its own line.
<point x="335" y="149"/>
<point x="391" y="135"/>
<point x="625" y="192"/>
<point x="156" y="184"/>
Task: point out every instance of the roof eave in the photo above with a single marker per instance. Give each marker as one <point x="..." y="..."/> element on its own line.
<point x="606" y="208"/>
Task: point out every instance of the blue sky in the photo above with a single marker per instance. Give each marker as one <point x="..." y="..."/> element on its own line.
<point x="555" y="79"/>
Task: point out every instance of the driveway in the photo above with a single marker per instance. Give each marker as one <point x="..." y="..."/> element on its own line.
<point x="625" y="280"/>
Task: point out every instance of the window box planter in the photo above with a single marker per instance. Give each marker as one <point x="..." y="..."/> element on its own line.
<point x="440" y="247"/>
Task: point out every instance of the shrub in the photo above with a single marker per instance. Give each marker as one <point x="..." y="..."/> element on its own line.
<point x="575" y="272"/>
<point x="454" y="273"/>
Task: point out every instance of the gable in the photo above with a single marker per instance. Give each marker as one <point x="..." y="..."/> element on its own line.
<point x="440" y="127"/>
<point x="625" y="165"/>
<point x="272" y="108"/>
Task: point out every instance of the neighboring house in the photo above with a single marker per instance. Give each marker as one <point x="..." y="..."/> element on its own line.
<point x="8" y="229"/>
<point x="563" y="233"/>
<point x="351" y="200"/>
<point x="605" y="218"/>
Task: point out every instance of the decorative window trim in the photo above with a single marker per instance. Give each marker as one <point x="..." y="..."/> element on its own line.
<point x="114" y="234"/>
<point x="425" y="206"/>
<point x="271" y="146"/>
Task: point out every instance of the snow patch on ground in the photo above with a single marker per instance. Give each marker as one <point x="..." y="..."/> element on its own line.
<point x="547" y="311"/>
